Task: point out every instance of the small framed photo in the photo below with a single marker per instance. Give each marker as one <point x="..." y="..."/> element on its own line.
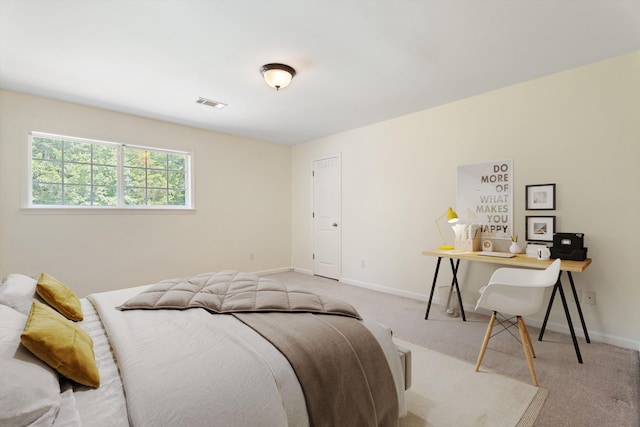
<point x="540" y="228"/>
<point x="541" y="197"/>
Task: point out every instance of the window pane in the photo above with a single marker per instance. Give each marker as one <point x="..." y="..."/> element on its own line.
<point x="135" y="196"/>
<point x="77" y="152"/>
<point x="135" y="177"/>
<point x="105" y="155"/>
<point x="176" y="179"/>
<point x="46" y="171"/>
<point x="177" y="197"/>
<point x="77" y="195"/>
<point x="77" y="173"/>
<point x="157" y="160"/>
<point x="105" y="175"/>
<point x="47" y="194"/>
<point x="135" y="158"/>
<point x="176" y="162"/>
<point x="156" y="179"/>
<point x="47" y="149"/>
<point x="105" y="196"/>
<point x="156" y="197"/>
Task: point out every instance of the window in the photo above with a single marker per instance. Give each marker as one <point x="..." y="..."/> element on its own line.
<point x="74" y="172"/>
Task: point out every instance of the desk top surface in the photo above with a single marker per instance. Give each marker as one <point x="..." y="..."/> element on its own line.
<point x="520" y="260"/>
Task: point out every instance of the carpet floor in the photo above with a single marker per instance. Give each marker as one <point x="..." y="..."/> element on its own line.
<point x="604" y="391"/>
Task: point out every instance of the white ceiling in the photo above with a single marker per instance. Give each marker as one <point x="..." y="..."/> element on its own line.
<point x="358" y="62"/>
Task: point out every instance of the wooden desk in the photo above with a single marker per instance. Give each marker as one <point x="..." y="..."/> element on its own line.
<point x="520" y="260"/>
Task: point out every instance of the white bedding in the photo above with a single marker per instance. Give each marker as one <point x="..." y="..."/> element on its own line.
<point x="245" y="380"/>
<point x="107" y="402"/>
<point x="248" y="381"/>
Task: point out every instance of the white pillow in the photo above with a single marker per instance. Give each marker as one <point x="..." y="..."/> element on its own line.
<point x="11" y="327"/>
<point x="18" y="292"/>
<point x="29" y="394"/>
<point x="20" y="285"/>
<point x="29" y="388"/>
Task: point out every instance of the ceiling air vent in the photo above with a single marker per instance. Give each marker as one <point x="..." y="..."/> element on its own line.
<point x="211" y="103"/>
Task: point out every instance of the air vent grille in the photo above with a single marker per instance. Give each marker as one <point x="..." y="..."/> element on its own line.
<point x="211" y="103"/>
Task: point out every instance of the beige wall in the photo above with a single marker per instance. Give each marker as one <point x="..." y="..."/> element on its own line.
<point x="242" y="196"/>
<point x="579" y="129"/>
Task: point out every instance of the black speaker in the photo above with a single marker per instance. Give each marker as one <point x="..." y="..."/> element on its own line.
<point x="569" y="246"/>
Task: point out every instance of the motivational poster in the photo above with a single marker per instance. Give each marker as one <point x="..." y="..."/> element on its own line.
<point x="484" y="197"/>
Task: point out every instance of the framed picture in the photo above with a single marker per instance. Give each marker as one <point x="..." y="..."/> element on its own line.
<point x="541" y="197"/>
<point x="540" y="228"/>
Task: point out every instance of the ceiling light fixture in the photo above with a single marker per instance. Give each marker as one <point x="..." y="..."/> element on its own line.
<point x="211" y="103"/>
<point x="277" y="75"/>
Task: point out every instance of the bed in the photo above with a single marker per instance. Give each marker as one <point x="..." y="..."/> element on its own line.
<point x="224" y="348"/>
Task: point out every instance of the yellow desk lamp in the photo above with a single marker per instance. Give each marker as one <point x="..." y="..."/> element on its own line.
<point x="452" y="218"/>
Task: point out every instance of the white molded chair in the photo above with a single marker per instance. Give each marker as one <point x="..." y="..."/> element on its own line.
<point x="518" y="292"/>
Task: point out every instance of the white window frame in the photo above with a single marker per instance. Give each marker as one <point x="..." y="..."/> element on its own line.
<point x="120" y="205"/>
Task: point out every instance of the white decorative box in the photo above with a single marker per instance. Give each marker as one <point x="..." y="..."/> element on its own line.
<point x="468" y="245"/>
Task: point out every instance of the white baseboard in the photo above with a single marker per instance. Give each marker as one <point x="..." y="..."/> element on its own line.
<point x="302" y="270"/>
<point x="551" y="326"/>
<point x="272" y="271"/>
<point x="387" y="290"/>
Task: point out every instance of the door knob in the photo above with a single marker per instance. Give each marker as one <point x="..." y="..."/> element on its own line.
<point x="335" y="224"/>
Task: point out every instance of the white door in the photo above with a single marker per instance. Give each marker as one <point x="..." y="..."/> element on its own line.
<point x="327" y="205"/>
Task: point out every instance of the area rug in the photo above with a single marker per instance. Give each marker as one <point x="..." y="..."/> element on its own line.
<point x="446" y="391"/>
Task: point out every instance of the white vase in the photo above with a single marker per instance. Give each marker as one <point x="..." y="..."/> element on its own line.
<point x="514" y="248"/>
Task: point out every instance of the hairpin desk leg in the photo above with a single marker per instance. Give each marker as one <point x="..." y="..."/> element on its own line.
<point x="454" y="283"/>
<point x="433" y="287"/>
<point x="558" y="287"/>
<point x="546" y="316"/>
<point x="566" y="312"/>
<point x="575" y="298"/>
<point x="454" y="270"/>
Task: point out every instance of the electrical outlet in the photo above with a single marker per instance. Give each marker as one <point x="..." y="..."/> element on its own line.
<point x="363" y="263"/>
<point x="251" y="256"/>
<point x="589" y="298"/>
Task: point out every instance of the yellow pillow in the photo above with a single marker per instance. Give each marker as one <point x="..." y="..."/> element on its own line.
<point x="62" y="344"/>
<point x="59" y="297"/>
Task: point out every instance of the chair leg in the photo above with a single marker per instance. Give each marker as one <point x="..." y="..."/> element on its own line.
<point x="528" y="349"/>
<point x="533" y="352"/>
<point x="486" y="340"/>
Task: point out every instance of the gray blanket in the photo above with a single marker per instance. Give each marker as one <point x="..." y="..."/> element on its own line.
<point x="234" y="292"/>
